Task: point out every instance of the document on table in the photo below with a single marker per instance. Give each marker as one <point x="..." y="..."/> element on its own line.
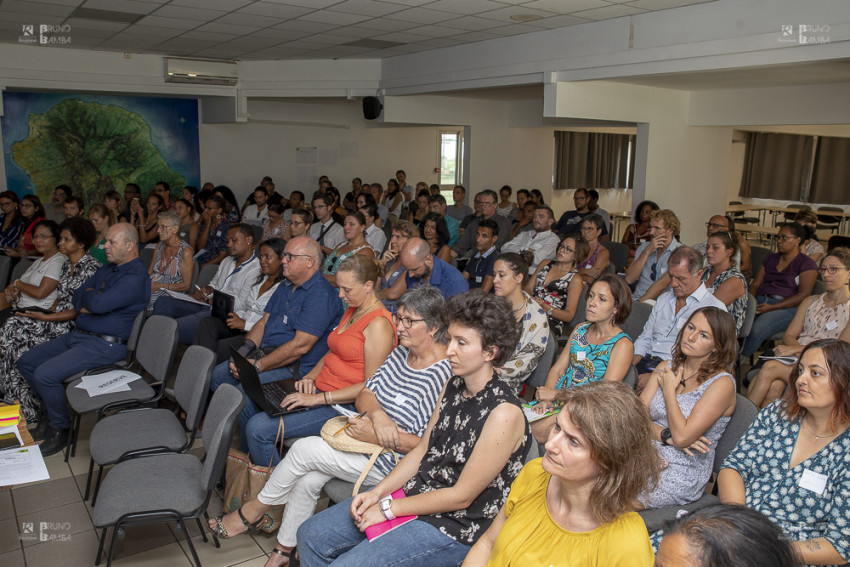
<point x="22" y="465"/>
<point x="108" y="382"/>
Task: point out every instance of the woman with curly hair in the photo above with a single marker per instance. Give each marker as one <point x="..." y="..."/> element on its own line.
<point x="436" y="233"/>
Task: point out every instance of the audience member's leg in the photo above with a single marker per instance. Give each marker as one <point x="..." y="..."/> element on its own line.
<point x="327" y="535"/>
<point x="211" y="331"/>
<point x="221" y="375"/>
<point x="188" y="326"/>
<point x="762" y="383"/>
<point x="540" y="428"/>
<point x="765" y="326"/>
<point x="51" y="391"/>
<point x="175" y="308"/>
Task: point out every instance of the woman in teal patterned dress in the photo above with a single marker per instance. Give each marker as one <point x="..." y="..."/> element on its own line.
<point x="31" y="328"/>
<point x="599" y="349"/>
<point x="354" y="229"/>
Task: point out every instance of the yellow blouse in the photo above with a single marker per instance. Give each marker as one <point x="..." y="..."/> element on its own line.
<point x="531" y="537"/>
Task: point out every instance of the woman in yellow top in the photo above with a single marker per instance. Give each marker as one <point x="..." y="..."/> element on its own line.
<point x="574" y="506"/>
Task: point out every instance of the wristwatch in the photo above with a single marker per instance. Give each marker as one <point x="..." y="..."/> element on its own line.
<point x="665" y="436"/>
<point x="386" y="507"/>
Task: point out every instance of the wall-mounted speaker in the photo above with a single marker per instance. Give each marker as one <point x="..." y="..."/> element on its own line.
<point x="372" y="107"/>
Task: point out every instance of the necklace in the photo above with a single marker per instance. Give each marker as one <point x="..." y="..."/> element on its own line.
<point x="353" y="320"/>
<point x="684" y="381"/>
<point x="815" y="435"/>
<point x="524" y="300"/>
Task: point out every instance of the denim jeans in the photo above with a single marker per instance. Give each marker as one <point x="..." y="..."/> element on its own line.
<point x="330" y="537"/>
<point x="188" y="315"/>
<point x="767" y="324"/>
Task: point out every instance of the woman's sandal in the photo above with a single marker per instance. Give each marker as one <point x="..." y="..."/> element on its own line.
<point x="290" y="556"/>
<point x="251" y="528"/>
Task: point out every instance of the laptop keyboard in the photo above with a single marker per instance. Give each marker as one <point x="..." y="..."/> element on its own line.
<point x="274" y="393"/>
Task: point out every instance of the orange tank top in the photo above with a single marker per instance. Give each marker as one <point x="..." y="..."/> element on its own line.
<point x="345" y="363"/>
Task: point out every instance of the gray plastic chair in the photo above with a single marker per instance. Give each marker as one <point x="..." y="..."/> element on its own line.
<point x="633" y="325"/>
<point x="538" y="376"/>
<point x="757" y="256"/>
<point x="146" y="255"/>
<point x="196" y="271"/>
<point x="619" y="253"/>
<point x="5" y="268"/>
<point x="146" y="431"/>
<point x="170" y="487"/>
<point x="743" y="416"/>
<point x="154" y="355"/>
<point x="631" y="378"/>
<point x="206" y="275"/>
<point x="20" y="268"/>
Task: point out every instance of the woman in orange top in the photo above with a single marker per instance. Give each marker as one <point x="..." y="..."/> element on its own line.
<point x="356" y="348"/>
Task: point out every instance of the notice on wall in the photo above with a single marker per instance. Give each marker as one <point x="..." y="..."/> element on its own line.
<point x="306" y="155"/>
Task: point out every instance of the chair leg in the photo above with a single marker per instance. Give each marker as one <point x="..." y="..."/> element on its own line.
<point x="201" y="527"/>
<point x="215" y="539"/>
<point x="76" y="434"/>
<point x="74" y="426"/>
<point x="88" y="480"/>
<point x="97" y="485"/>
<point x="189" y="542"/>
<point x="115" y="529"/>
<point x="100" y="548"/>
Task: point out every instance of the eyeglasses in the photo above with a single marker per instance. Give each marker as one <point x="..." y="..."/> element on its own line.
<point x="831" y="270"/>
<point x="488" y="203"/>
<point x="288" y="257"/>
<point x="563" y="248"/>
<point x="715" y="225"/>
<point x="785" y="237"/>
<point x="589" y="229"/>
<point x="6" y="203"/>
<point x="41" y="236"/>
<point x="164" y="226"/>
<point x="405" y="322"/>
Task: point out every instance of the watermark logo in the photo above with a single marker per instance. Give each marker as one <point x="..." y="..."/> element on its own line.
<point x="27" y="29"/>
<point x="47" y="531"/>
<point x="804" y="34"/>
<point x="48" y="34"/>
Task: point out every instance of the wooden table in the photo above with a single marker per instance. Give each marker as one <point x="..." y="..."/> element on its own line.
<point x="616" y="223"/>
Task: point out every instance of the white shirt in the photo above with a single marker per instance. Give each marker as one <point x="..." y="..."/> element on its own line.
<point x="334" y="235"/>
<point x="544" y="245"/>
<point x="377" y="239"/>
<point x="40" y="269"/>
<point x="237" y="281"/>
<point x="251" y="213"/>
<point x="257" y="307"/>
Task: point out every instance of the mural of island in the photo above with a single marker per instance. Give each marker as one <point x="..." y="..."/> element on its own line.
<point x="95" y="143"/>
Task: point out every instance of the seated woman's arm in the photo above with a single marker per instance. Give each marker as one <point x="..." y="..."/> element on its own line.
<point x="480" y="553"/>
<point x="445" y="253"/>
<point x="730" y="290"/>
<point x="147" y="234"/>
<point x="548" y="392"/>
<point x="153" y="258"/>
<point x="186" y="268"/>
<point x="804" y="290"/>
<point x="603" y="258"/>
<point x="730" y="487"/>
<point x="790" y="345"/>
<point x="378" y="427"/>
<point x="620" y="360"/>
<point x="40" y="291"/>
<point x="396" y="290"/>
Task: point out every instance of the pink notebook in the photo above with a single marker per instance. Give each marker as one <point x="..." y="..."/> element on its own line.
<point x="377" y="530"/>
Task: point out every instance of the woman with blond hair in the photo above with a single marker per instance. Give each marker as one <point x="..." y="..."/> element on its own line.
<point x="575" y="505"/>
<point x="102" y="217"/>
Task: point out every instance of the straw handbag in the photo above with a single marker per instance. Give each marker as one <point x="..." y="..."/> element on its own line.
<point x="342" y="441"/>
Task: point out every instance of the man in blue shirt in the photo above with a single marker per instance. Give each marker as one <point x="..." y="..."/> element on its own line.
<point x="425" y="268"/>
<point x="107" y="305"/>
<point x="479" y="270"/>
<point x="437" y="204"/>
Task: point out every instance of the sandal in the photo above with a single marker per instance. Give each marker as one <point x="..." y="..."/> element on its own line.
<point x="251" y="528"/>
<point x="291" y="556"/>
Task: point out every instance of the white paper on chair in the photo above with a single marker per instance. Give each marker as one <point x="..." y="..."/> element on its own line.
<point x="108" y="382"/>
<point x="22" y="465"/>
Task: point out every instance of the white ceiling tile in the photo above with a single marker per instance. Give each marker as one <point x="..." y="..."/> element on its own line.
<point x="280" y="35"/>
<point x="471" y="23"/>
<point x="250" y="43"/>
<point x="153" y="31"/>
<point x="436" y="31"/>
<point x="385" y="24"/>
<point x="132" y="40"/>
<point x="273" y="53"/>
<point x="222" y="5"/>
<point x="208" y="35"/>
<point x="513" y="29"/>
<point x="402" y="37"/>
<point x="335" y="18"/>
<point x="82" y="25"/>
<point x="366" y="8"/>
<point x="439" y="42"/>
<point x="184" y="13"/>
<point x="355" y="32"/>
<point x="173" y="23"/>
<point x="17" y="18"/>
<point x="218" y="53"/>
<point x="305" y="26"/>
<point x="186" y="44"/>
<point x="504" y="14"/>
<point x="467" y="7"/>
<point x="227" y="28"/>
<point x="273" y="10"/>
<point x="411" y="2"/>
<point x="73" y="3"/>
<point x="312" y="4"/>
<point x="556" y="22"/>
<point x="476" y="36"/>
<point x="612" y="11"/>
<point x="662" y="4"/>
<point x="566" y="6"/>
<point x="249" y="20"/>
<point x="422" y="16"/>
<point x="37" y="9"/>
<point x="129" y="6"/>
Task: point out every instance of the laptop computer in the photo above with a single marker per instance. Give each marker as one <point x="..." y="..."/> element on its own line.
<point x="267" y="396"/>
<point x="222" y="305"/>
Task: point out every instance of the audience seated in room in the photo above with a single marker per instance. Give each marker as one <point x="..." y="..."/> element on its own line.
<point x="115" y="203"/>
<point x="690" y="399"/>
<point x="325" y="229"/>
<point x="425" y="268"/>
<point x="556" y="287"/>
<point x="540" y="242"/>
<point x="525" y="222"/>
<point x="393" y="285"/>
<point x="487" y="200"/>
<point x="575" y="505"/>
<point x="570" y="221"/>
<point x="506" y="207"/>
<point x="599" y="258"/>
<point x="638" y="232"/>
<point x="648" y="271"/>
<point x="172" y="264"/>
<point x="235" y="276"/>
<point x="102" y="217"/>
<point x="74" y="207"/>
<point x="598" y="349"/>
<point x="437" y="204"/>
<point x="784" y="280"/>
<point x="479" y="269"/>
<point x="55" y="209"/>
<point x="721" y="223"/>
<point x="825" y="316"/>
<point x="810" y="246"/>
<point x="37" y="285"/>
<point x="791" y="464"/>
<point x="458" y="476"/>
<point x="375" y="236"/>
<point x="354" y="231"/>
<point x="32" y="211"/>
<point x="722" y="277"/>
<point x="299" y="223"/>
<point x="188" y="227"/>
<point x="419" y="208"/>
<point x="459" y="209"/>
<point x="211" y="245"/>
<point x="593" y="207"/>
<point x="258" y="211"/>
<point x="144" y="218"/>
<point x="398" y="399"/>
<point x="434" y="231"/>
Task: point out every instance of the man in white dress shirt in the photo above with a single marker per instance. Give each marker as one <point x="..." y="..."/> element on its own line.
<point x="325" y="231"/>
<point x="541" y="242"/>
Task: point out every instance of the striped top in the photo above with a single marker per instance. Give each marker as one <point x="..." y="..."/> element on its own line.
<point x="408" y="396"/>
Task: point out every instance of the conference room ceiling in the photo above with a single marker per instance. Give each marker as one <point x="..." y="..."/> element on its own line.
<point x="296" y="29"/>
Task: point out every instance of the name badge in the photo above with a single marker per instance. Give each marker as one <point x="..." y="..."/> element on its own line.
<point x="285" y="320"/>
<point x="581" y="355"/>
<point x="478" y="279"/>
<point x="831" y="325"/>
<point x="813" y="481"/>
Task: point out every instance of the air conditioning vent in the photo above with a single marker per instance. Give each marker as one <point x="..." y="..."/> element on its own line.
<point x="200" y="72"/>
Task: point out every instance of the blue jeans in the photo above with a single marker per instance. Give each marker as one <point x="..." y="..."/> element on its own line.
<point x="189" y="315"/>
<point x="48" y="365"/>
<point x="330" y="537"/>
<point x="767" y="324"/>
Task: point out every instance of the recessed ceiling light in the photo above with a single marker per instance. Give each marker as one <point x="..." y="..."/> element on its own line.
<point x="522" y="18"/>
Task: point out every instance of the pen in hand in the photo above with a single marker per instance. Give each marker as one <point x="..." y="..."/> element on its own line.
<point x="344" y="427"/>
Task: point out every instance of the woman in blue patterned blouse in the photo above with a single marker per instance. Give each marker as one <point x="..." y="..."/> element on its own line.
<point x="793" y="464"/>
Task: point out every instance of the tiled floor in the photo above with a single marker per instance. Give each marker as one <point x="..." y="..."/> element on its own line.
<point x="72" y="540"/>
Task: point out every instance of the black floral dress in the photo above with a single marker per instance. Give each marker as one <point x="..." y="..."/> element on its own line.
<point x="554" y="294"/>
<point x="20" y="334"/>
<point x="452" y="441"/>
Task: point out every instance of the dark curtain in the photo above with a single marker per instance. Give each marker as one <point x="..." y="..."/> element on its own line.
<point x="831" y="172"/>
<point x="775" y="166"/>
<point x="592" y="159"/>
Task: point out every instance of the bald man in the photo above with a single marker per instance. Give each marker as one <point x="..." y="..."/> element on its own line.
<point x="424" y="268"/>
<point x="107" y="304"/>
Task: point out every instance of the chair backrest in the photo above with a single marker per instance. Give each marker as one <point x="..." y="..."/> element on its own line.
<point x="619" y="254"/>
<point x="5" y="268"/>
<point x="743" y="416"/>
<point x="633" y="326"/>
<point x="749" y="317"/>
<point x="146" y="255"/>
<point x="156" y="347"/>
<point x="829" y="219"/>
<point x="538" y="376"/>
<point x="196" y="271"/>
<point x="20" y="268"/>
<point x="757" y="256"/>
<point x="836" y="241"/>
<point x="138" y="323"/>
<point x="224" y="410"/>
<point x="206" y="275"/>
<point x="631" y="378"/>
<point x="193" y="383"/>
<point x="581" y="309"/>
<point x="819" y="287"/>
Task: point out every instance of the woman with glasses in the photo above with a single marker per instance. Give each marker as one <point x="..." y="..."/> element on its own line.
<point x="742" y="255"/>
<point x="29" y="329"/>
<point x="598" y="259"/>
<point x="784" y="280"/>
<point x="37" y="286"/>
<point x="554" y="286"/>
<point x="11" y="224"/>
<point x="398" y="400"/>
<point x="419" y="208"/>
<point x="212" y="234"/>
<point x="299" y="223"/>
<point x="102" y="217"/>
<point x="275" y="226"/>
<point x="393" y="285"/>
<point x="825" y="316"/>
<point x="722" y="277"/>
<point x="172" y="263"/>
<point x="354" y="230"/>
<point x="32" y="212"/>
<point x="365" y="336"/>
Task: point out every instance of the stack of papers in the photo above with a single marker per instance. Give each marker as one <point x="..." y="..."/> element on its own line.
<point x="9" y="434"/>
<point x="108" y="382"/>
<point x="22" y="465"/>
<point x="9" y="415"/>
